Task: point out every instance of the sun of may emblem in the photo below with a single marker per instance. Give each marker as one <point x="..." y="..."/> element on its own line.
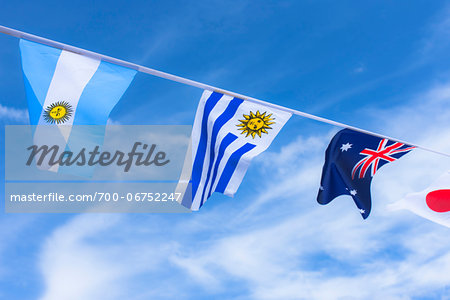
<point x="255" y="124"/>
<point x="58" y="112"/>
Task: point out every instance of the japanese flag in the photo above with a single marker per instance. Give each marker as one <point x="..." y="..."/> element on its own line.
<point x="432" y="203"/>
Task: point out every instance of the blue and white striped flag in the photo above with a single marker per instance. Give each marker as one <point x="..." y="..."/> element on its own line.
<point x="227" y="134"/>
<point x="64" y="88"/>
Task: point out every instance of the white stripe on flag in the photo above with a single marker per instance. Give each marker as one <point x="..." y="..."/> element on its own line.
<point x="72" y="74"/>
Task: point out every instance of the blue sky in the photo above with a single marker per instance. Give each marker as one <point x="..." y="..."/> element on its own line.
<point x="379" y="65"/>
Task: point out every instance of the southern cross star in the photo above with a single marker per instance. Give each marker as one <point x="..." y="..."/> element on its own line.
<point x="345" y="147"/>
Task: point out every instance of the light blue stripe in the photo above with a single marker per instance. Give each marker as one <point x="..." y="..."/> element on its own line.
<point x="102" y="93"/>
<point x="218" y="124"/>
<point x="231" y="165"/>
<point x="38" y="65"/>
<point x="34" y="107"/>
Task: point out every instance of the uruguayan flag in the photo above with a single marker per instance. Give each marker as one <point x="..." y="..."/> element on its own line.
<point x="227" y="133"/>
<point x="65" y="88"/>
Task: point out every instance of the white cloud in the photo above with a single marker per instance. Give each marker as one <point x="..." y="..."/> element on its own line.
<point x="359" y="69"/>
<point x="85" y="259"/>
<point x="13" y="114"/>
<point x="436" y="41"/>
<point x="74" y="270"/>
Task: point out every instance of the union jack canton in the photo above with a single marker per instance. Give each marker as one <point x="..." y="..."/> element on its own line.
<point x="351" y="160"/>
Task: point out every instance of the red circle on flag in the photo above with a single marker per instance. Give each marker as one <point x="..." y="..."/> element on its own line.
<point x="439" y="200"/>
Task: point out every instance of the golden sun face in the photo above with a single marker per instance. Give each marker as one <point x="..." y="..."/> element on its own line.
<point x="255" y="124"/>
<point x="58" y="112"/>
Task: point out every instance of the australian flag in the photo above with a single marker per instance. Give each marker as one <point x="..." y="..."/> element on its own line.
<point x="351" y="160"/>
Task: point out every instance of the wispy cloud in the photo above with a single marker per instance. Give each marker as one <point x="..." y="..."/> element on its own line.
<point x="10" y="114"/>
<point x="91" y="272"/>
<point x="359" y="69"/>
<point x="436" y="40"/>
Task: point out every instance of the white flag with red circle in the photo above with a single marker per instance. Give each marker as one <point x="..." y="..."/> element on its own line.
<point x="432" y="203"/>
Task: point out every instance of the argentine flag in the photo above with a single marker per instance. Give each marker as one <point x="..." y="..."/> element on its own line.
<point x="227" y="134"/>
<point x="65" y="88"/>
